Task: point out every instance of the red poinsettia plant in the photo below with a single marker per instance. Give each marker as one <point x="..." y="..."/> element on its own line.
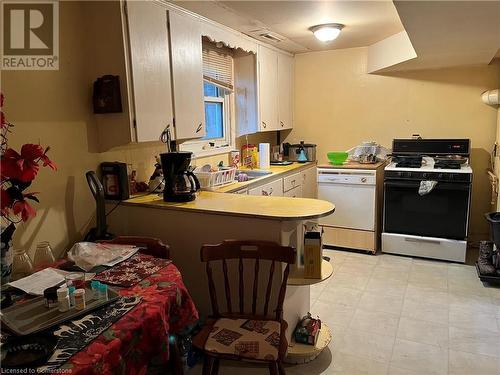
<point x="18" y="170"/>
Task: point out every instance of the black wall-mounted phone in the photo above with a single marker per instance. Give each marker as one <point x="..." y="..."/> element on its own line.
<point x="106" y="95"/>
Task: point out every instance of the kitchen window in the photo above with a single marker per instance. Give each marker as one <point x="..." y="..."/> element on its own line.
<point x="218" y="96"/>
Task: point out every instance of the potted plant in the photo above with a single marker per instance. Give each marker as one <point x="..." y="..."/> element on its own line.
<point x="17" y="170"/>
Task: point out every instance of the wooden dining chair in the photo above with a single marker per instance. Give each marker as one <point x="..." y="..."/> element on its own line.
<point x="149" y="245"/>
<point x="237" y="334"/>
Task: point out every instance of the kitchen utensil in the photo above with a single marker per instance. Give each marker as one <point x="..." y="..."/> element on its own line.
<point x="337" y="157"/>
<point x="181" y="183"/>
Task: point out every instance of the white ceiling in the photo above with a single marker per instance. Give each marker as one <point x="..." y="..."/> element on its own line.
<point x="451" y="33"/>
<point x="366" y="22"/>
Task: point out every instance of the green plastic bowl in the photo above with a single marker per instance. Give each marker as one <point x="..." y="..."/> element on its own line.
<point x="337" y="158"/>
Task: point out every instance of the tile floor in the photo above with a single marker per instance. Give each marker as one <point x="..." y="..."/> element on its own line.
<point x="397" y="315"/>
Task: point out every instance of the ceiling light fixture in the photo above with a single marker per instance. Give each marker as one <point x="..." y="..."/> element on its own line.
<point x="327" y="32"/>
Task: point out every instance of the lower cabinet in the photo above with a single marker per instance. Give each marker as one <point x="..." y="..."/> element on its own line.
<point x="274" y="189"/>
<point x="309" y="183"/>
<point x="297" y="185"/>
<point x="296" y="192"/>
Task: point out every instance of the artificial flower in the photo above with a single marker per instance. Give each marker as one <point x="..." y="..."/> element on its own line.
<point x="24" y="167"/>
<point x="6" y="202"/>
<point x="24" y="209"/>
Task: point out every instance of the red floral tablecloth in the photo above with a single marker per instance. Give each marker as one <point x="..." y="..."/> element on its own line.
<point x="141" y="336"/>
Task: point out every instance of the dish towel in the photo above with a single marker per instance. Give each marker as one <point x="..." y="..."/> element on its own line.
<point x="426" y="187"/>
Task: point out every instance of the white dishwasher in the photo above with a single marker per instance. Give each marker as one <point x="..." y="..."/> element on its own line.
<point x="353" y="191"/>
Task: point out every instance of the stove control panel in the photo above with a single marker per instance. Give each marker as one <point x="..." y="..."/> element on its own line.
<point x="434" y="176"/>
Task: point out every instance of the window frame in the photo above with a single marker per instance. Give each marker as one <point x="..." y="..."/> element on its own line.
<point x="201" y="147"/>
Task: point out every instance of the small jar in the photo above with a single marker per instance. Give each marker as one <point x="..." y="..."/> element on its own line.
<point x="103" y="292"/>
<point x="43" y="254"/>
<point x="71" y="292"/>
<point x="50" y="295"/>
<point x="63" y="299"/>
<point x="79" y="299"/>
<point x="95" y="286"/>
<point x="21" y="265"/>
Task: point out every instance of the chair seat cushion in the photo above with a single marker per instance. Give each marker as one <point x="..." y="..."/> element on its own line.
<point x="250" y="339"/>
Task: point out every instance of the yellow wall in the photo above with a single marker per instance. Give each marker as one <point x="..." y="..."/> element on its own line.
<point x="51" y="107"/>
<point x="338" y="105"/>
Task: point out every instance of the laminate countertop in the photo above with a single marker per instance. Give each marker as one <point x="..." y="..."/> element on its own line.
<point x="273" y="208"/>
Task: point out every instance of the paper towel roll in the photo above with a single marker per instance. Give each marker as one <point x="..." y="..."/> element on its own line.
<point x="264" y="155"/>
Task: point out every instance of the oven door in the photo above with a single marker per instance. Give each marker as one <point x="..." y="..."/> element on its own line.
<point x="442" y="213"/>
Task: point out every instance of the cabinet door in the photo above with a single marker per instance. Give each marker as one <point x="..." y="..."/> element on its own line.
<point x="309" y="183"/>
<point x="296" y="192"/>
<point x="274" y="189"/>
<point x="150" y="68"/>
<point x="187" y="76"/>
<point x="285" y="91"/>
<point x="268" y="93"/>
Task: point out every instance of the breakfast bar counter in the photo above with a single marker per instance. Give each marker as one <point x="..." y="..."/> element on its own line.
<point x="274" y="208"/>
<point x="215" y="217"/>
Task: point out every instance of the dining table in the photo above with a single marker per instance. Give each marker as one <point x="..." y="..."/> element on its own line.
<point x="140" y="338"/>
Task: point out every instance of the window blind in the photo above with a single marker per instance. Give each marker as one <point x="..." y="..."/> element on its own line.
<point x="218" y="66"/>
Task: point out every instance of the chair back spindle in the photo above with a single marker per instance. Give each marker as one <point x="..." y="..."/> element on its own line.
<point x="243" y="252"/>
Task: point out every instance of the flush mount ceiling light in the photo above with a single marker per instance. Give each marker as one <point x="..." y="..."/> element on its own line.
<point x="327" y="32"/>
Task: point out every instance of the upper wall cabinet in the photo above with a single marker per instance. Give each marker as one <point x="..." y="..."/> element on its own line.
<point x="150" y="68"/>
<point x="187" y="76"/>
<point x="156" y="52"/>
<point x="268" y="83"/>
<point x="285" y="91"/>
<point x="275" y="72"/>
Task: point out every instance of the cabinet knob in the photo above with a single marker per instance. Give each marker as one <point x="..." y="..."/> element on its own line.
<point x="264" y="124"/>
<point x="282" y="124"/>
<point x="363" y="179"/>
<point x="198" y="129"/>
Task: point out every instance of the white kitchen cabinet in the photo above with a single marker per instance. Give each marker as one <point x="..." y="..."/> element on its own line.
<point x="187" y="76"/>
<point x="309" y="183"/>
<point x="285" y="91"/>
<point x="296" y="192"/>
<point x="150" y="68"/>
<point x="291" y="182"/>
<point x="268" y="84"/>
<point x="276" y="85"/>
<point x="274" y="189"/>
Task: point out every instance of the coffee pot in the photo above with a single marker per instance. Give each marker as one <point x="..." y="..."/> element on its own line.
<point x="181" y="183"/>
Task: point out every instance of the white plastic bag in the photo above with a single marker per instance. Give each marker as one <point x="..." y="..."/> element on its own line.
<point x="88" y="255"/>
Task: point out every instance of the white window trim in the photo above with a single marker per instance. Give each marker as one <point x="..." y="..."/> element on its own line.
<point x="201" y="147"/>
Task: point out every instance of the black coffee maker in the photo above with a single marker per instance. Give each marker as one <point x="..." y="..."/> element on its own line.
<point x="181" y="183"/>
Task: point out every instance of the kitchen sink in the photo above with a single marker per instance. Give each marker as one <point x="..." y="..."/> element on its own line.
<point x="253" y="173"/>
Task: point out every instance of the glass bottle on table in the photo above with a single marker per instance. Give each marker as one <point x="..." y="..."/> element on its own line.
<point x="21" y="265"/>
<point x="43" y="254"/>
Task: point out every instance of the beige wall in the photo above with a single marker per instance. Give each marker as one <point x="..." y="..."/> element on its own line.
<point x="338" y="105"/>
<point x="51" y="107"/>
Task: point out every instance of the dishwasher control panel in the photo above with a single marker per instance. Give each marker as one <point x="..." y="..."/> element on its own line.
<point x="341" y="176"/>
